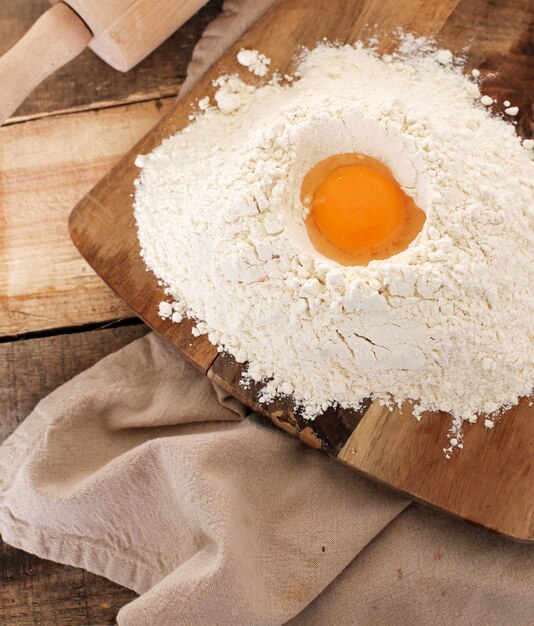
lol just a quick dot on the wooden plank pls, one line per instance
(32, 368)
(45, 167)
(33, 590)
(496, 35)
(393, 447)
(293, 23)
(88, 82)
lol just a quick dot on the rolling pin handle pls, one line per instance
(56, 38)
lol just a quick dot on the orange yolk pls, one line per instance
(357, 207)
(358, 211)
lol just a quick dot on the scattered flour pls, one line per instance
(204, 103)
(447, 323)
(165, 310)
(445, 57)
(254, 61)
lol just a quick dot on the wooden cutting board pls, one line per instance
(491, 481)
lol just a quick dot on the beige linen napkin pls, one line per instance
(140, 471)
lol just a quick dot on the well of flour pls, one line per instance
(447, 323)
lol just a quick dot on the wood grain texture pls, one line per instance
(34, 591)
(45, 167)
(499, 39)
(451, 485)
(88, 82)
(494, 472)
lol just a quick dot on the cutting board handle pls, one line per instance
(56, 38)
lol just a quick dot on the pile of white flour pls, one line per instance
(448, 323)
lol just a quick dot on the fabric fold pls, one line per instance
(138, 473)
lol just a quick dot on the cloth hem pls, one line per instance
(96, 557)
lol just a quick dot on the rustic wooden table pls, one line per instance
(56, 316)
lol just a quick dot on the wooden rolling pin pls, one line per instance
(121, 32)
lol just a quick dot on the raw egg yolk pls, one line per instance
(357, 210)
(357, 207)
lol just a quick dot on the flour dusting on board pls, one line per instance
(447, 324)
